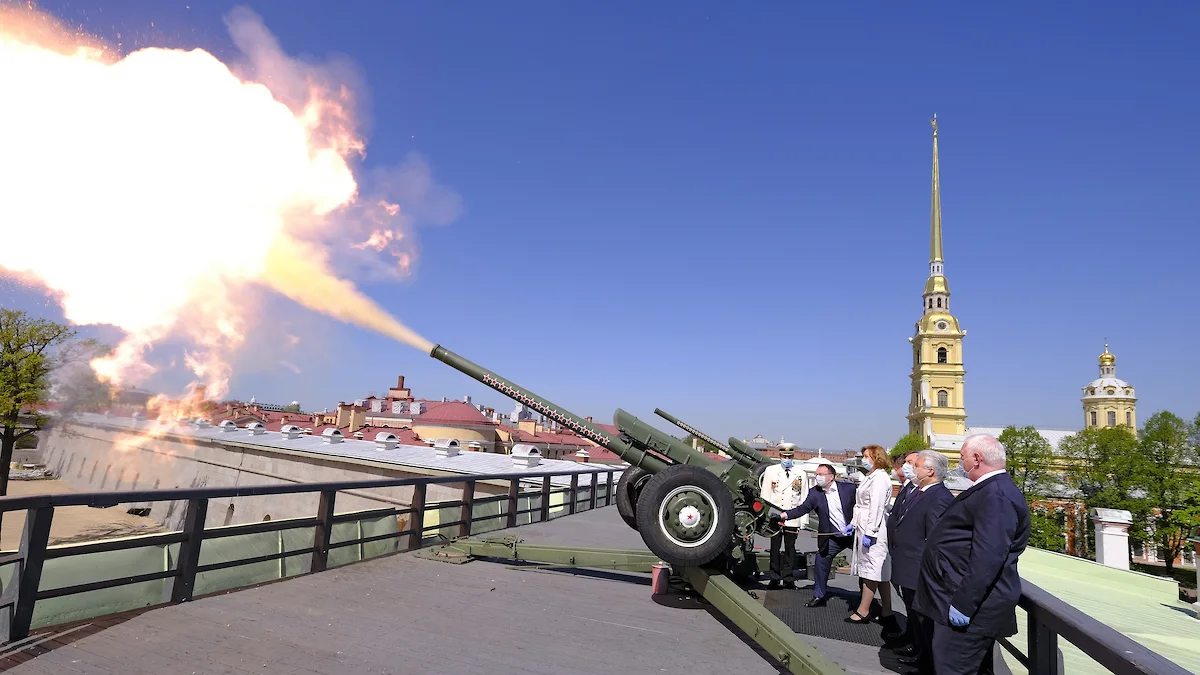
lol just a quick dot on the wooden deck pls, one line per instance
(402, 614)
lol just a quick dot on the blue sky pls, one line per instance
(724, 212)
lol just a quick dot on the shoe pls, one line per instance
(864, 619)
(910, 660)
(789, 584)
(774, 583)
(817, 602)
(906, 650)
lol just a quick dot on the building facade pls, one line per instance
(937, 407)
(1108, 401)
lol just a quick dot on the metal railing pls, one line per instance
(24, 591)
(1050, 618)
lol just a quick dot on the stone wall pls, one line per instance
(103, 459)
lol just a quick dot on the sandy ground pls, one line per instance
(71, 523)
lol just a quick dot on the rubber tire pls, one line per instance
(628, 488)
(649, 505)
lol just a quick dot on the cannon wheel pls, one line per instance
(632, 481)
(685, 516)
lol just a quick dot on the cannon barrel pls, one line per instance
(738, 455)
(623, 449)
(747, 450)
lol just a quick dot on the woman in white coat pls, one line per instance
(870, 561)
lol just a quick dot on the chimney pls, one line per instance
(386, 440)
(332, 435)
(526, 456)
(226, 425)
(582, 456)
(446, 447)
(1112, 537)
(256, 428)
(291, 431)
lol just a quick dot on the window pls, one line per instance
(941, 354)
(1112, 418)
(939, 302)
(1093, 418)
(1129, 418)
(943, 398)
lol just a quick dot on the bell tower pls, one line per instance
(937, 408)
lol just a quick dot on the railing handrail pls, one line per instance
(125, 496)
(1107, 646)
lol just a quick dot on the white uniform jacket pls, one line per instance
(783, 489)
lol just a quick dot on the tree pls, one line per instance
(1029, 455)
(909, 443)
(1104, 466)
(1045, 532)
(291, 408)
(1166, 450)
(31, 350)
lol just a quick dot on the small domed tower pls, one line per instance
(1108, 401)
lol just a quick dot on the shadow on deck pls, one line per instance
(403, 614)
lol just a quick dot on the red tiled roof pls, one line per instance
(453, 413)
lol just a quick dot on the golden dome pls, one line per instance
(937, 284)
(1107, 358)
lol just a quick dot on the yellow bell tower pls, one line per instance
(937, 410)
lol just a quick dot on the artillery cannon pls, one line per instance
(690, 509)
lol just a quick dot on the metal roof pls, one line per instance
(412, 456)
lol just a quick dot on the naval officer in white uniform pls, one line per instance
(783, 486)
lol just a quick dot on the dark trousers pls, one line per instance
(825, 561)
(918, 631)
(957, 652)
(783, 562)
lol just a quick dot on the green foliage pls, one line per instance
(292, 408)
(1154, 476)
(1171, 490)
(700, 444)
(909, 443)
(31, 350)
(1029, 456)
(1045, 530)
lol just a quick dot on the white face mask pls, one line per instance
(909, 472)
(822, 481)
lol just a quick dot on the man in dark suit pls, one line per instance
(833, 500)
(969, 585)
(903, 472)
(910, 522)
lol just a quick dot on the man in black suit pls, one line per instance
(969, 585)
(903, 472)
(910, 522)
(833, 500)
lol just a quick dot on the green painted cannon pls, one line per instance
(690, 509)
(746, 455)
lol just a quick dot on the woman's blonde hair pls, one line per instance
(878, 456)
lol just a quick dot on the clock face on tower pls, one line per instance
(941, 325)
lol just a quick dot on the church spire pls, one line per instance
(935, 215)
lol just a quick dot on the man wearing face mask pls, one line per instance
(781, 485)
(833, 500)
(904, 472)
(968, 584)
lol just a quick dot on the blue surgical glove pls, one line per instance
(867, 541)
(847, 530)
(957, 618)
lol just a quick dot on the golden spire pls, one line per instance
(935, 217)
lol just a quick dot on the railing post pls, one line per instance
(189, 550)
(416, 527)
(608, 490)
(545, 499)
(592, 492)
(514, 492)
(33, 555)
(1043, 648)
(322, 532)
(574, 493)
(468, 500)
